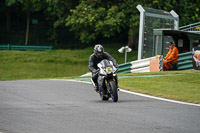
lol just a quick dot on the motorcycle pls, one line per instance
(107, 80)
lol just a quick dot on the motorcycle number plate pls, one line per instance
(109, 69)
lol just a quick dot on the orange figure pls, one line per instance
(171, 57)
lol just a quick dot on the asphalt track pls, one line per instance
(59, 106)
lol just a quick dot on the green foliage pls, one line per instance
(28, 5)
(57, 11)
(94, 19)
(89, 20)
(10, 2)
(188, 10)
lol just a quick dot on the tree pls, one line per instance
(188, 10)
(93, 18)
(56, 12)
(29, 6)
(5, 8)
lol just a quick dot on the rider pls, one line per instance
(96, 58)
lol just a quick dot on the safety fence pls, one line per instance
(185, 61)
(155, 64)
(195, 28)
(22, 47)
(151, 64)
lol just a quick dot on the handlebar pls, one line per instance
(96, 72)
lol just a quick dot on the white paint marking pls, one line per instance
(72, 80)
(138, 94)
(80, 81)
(158, 98)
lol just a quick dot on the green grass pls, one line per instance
(17, 65)
(177, 85)
(39, 64)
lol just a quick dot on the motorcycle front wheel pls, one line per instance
(114, 93)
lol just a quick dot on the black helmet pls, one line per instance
(98, 50)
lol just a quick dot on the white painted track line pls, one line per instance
(139, 94)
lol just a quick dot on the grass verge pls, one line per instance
(177, 85)
(17, 65)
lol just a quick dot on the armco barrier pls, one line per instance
(124, 68)
(22, 47)
(143, 65)
(185, 61)
(154, 64)
(140, 65)
(137, 66)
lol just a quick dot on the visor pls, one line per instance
(99, 53)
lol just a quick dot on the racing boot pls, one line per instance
(96, 88)
(102, 91)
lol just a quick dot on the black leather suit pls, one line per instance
(94, 60)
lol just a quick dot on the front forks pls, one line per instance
(103, 83)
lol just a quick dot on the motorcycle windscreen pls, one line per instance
(105, 63)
